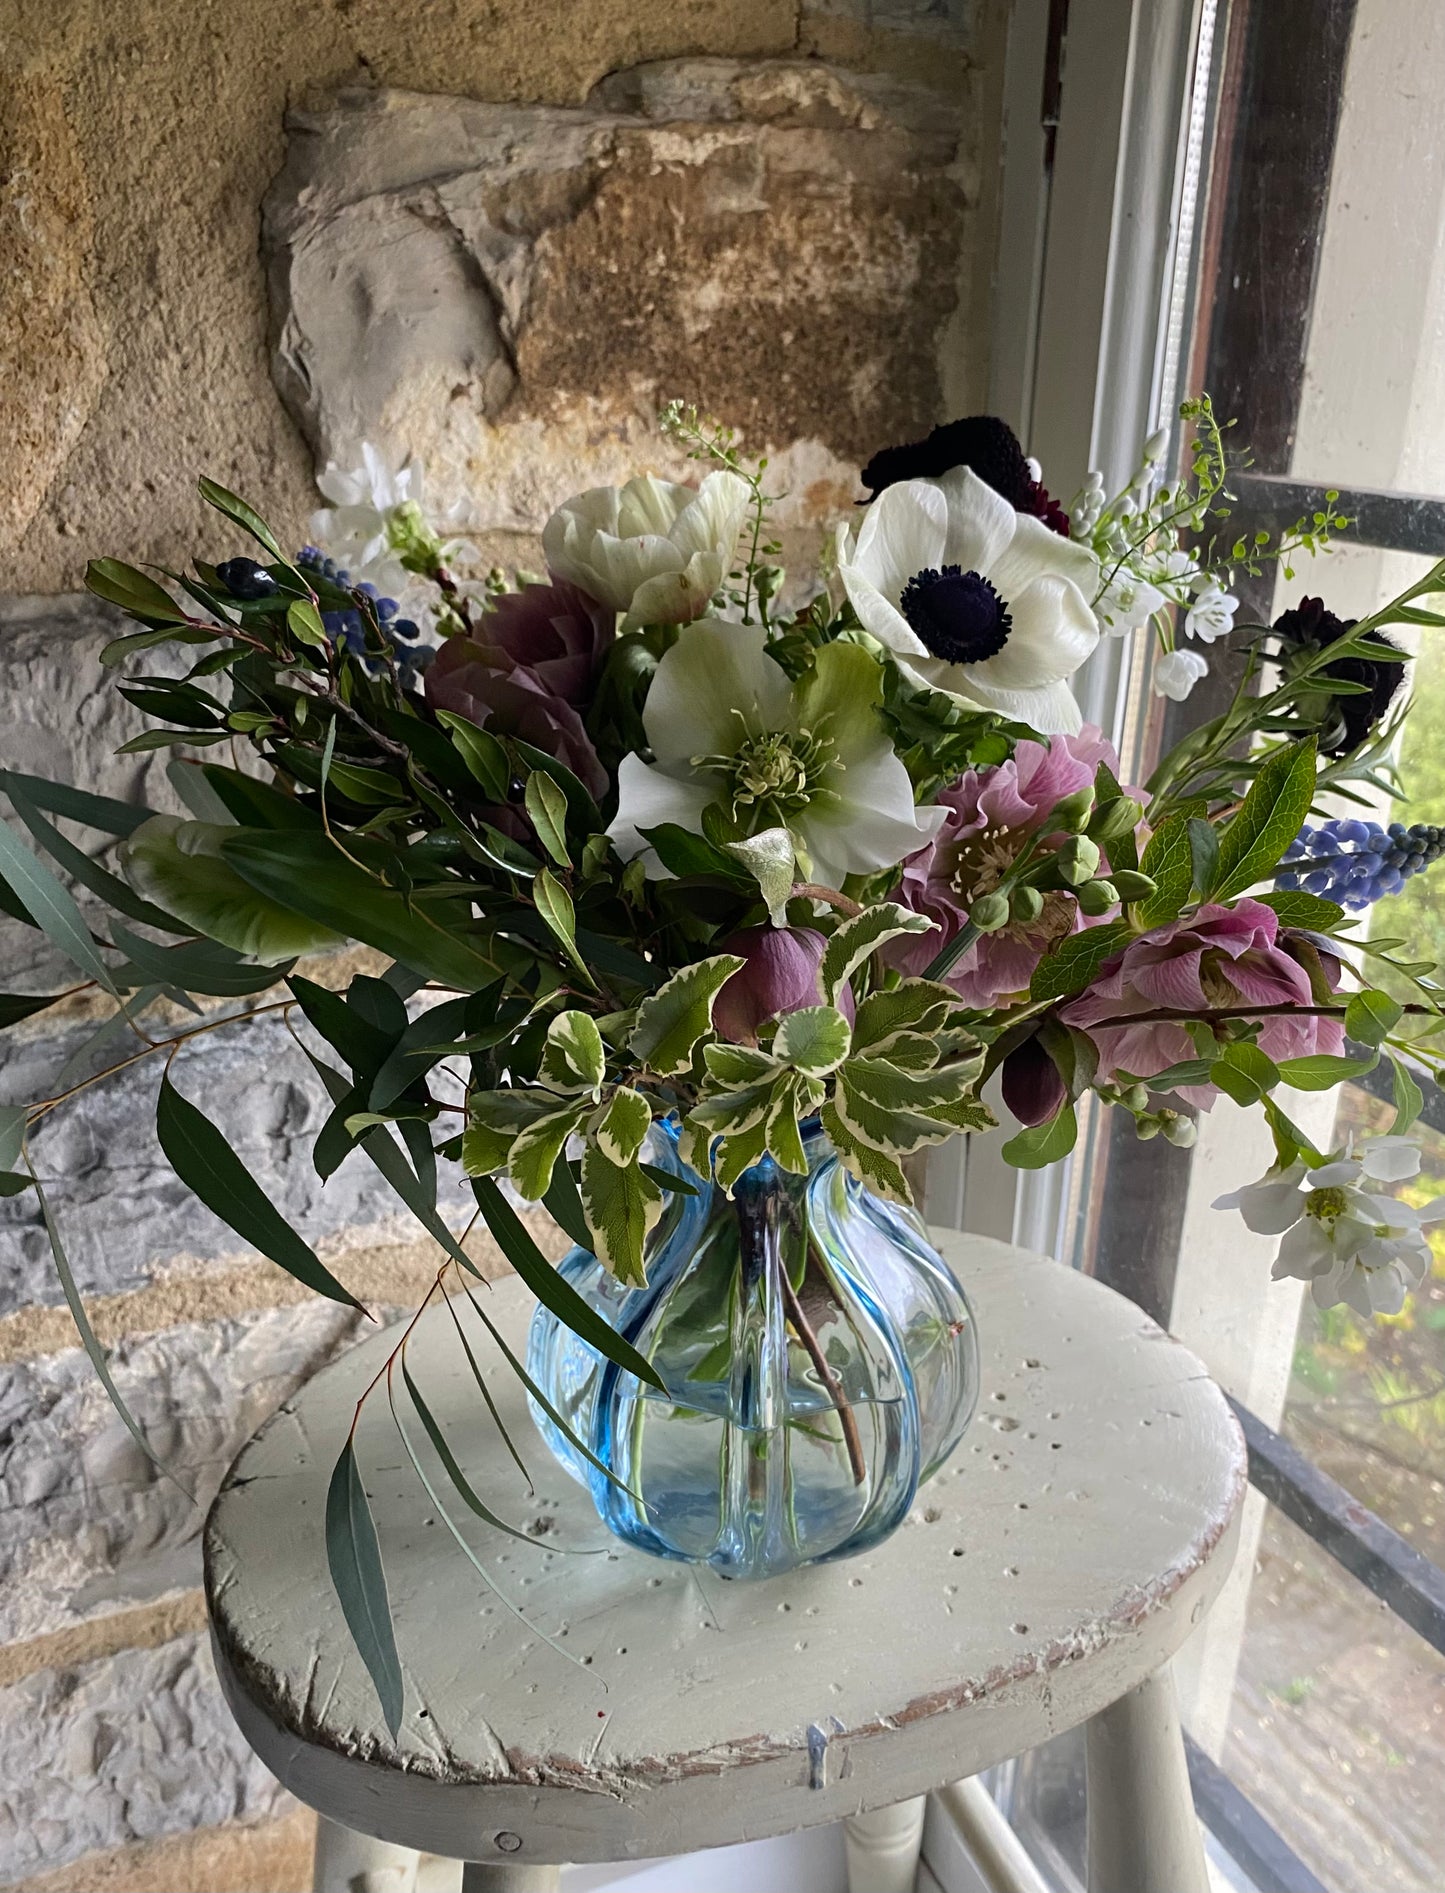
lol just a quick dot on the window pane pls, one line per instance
(1337, 1732)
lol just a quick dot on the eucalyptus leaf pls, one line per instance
(354, 1557)
(208, 1165)
(53, 908)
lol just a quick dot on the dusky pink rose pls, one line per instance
(528, 670)
(992, 812)
(1219, 957)
(781, 976)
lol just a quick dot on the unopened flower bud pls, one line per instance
(1180, 1131)
(1097, 897)
(780, 976)
(1032, 1087)
(1135, 1098)
(1155, 445)
(1134, 886)
(1147, 1126)
(1026, 904)
(1077, 860)
(1111, 820)
(990, 912)
(1071, 814)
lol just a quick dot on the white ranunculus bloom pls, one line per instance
(652, 549)
(727, 726)
(1177, 672)
(974, 597)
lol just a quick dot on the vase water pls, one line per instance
(820, 1361)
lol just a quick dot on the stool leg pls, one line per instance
(492, 1877)
(883, 1847)
(347, 1862)
(1143, 1833)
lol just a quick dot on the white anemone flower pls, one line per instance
(1176, 673)
(652, 549)
(728, 728)
(974, 597)
(1349, 1243)
(368, 505)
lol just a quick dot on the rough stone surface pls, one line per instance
(511, 292)
(176, 113)
(87, 1524)
(131, 1749)
(122, 1209)
(267, 1857)
(52, 352)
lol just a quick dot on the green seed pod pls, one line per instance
(1097, 897)
(1134, 886)
(1078, 860)
(990, 912)
(1026, 904)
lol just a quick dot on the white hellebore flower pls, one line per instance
(728, 727)
(1211, 615)
(371, 507)
(974, 597)
(652, 549)
(1177, 672)
(1347, 1242)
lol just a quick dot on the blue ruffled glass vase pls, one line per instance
(820, 1362)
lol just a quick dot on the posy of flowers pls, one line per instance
(656, 835)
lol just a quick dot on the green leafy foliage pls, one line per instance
(1279, 798)
(353, 1555)
(673, 1020)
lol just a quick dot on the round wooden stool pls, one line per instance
(1044, 1578)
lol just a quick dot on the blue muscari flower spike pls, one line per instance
(348, 627)
(1355, 862)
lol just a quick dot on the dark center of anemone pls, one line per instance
(957, 614)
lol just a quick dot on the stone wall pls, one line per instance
(780, 210)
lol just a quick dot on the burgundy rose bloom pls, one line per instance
(527, 670)
(781, 976)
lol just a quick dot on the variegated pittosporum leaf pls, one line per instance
(674, 1019)
(861, 936)
(621, 1203)
(573, 1058)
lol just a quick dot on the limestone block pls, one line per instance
(122, 1210)
(130, 1749)
(87, 1524)
(510, 292)
(52, 350)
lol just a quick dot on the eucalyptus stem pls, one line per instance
(847, 1419)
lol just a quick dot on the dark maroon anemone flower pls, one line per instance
(982, 442)
(1346, 720)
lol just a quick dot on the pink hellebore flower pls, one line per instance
(992, 813)
(1219, 957)
(781, 976)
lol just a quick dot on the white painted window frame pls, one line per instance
(1087, 317)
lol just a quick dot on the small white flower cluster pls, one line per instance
(1135, 536)
(1349, 1243)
